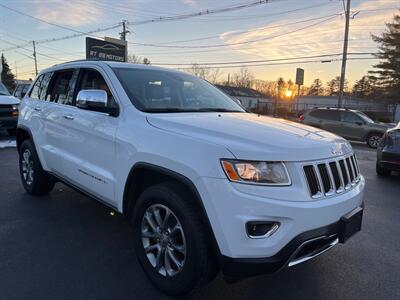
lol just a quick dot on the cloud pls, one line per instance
(70, 13)
(324, 38)
(189, 2)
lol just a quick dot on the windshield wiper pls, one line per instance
(167, 110)
(180, 110)
(211, 109)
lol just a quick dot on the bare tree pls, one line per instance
(199, 71)
(214, 75)
(132, 58)
(244, 78)
(210, 74)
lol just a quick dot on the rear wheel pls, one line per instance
(373, 140)
(171, 242)
(34, 179)
(382, 171)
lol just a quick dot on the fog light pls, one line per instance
(261, 229)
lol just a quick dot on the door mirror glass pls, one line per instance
(95, 100)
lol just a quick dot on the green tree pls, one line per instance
(387, 71)
(316, 88)
(7, 77)
(363, 88)
(333, 86)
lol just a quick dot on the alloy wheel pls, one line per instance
(374, 141)
(163, 240)
(27, 167)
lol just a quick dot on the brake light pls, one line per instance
(15, 113)
(301, 118)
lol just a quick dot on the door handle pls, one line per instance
(69, 117)
(37, 108)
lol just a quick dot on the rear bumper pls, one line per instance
(8, 122)
(295, 252)
(389, 159)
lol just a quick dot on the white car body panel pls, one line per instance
(96, 152)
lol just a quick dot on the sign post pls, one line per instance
(108, 49)
(299, 82)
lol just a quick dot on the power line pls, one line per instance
(201, 13)
(263, 60)
(282, 63)
(237, 43)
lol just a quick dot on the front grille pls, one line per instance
(5, 110)
(335, 176)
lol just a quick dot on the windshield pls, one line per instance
(164, 91)
(3, 90)
(365, 117)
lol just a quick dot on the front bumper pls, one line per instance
(303, 247)
(230, 206)
(8, 122)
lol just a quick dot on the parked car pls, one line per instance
(348, 123)
(388, 154)
(20, 90)
(206, 186)
(8, 110)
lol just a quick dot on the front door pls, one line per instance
(86, 140)
(352, 126)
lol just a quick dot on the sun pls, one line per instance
(288, 93)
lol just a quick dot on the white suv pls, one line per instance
(206, 186)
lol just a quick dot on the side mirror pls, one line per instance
(95, 100)
(359, 123)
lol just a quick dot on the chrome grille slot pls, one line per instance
(354, 164)
(312, 180)
(326, 181)
(350, 168)
(335, 176)
(345, 175)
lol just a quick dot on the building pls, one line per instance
(249, 98)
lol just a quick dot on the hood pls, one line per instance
(252, 137)
(8, 100)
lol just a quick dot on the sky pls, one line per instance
(272, 31)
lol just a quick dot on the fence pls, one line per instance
(377, 111)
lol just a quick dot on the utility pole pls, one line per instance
(124, 30)
(344, 57)
(34, 57)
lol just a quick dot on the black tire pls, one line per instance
(40, 182)
(12, 131)
(200, 264)
(382, 171)
(373, 140)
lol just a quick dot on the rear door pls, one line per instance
(31, 111)
(326, 119)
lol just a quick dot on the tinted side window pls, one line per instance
(350, 117)
(91, 79)
(326, 114)
(62, 87)
(35, 92)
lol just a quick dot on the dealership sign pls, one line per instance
(107, 49)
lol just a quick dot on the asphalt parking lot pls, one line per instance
(66, 246)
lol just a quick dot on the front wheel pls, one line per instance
(373, 140)
(171, 242)
(34, 179)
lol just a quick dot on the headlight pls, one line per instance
(256, 172)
